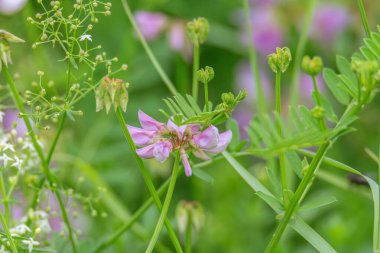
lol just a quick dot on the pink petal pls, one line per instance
(148, 123)
(194, 128)
(186, 164)
(150, 23)
(179, 130)
(146, 152)
(140, 136)
(161, 150)
(208, 139)
(224, 140)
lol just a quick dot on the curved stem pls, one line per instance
(189, 233)
(253, 59)
(147, 49)
(195, 69)
(165, 207)
(5, 197)
(294, 94)
(206, 97)
(39, 151)
(364, 18)
(148, 180)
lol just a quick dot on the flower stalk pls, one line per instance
(166, 205)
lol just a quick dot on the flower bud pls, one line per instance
(197, 30)
(206, 75)
(318, 112)
(312, 66)
(279, 61)
(189, 212)
(5, 49)
(111, 92)
(367, 72)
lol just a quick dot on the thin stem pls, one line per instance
(195, 69)
(165, 207)
(294, 94)
(206, 97)
(39, 151)
(364, 18)
(279, 129)
(253, 59)
(5, 197)
(189, 232)
(293, 205)
(147, 49)
(322, 123)
(148, 180)
(8, 233)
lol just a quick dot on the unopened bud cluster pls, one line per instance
(197, 30)
(189, 213)
(5, 49)
(110, 92)
(280, 60)
(368, 73)
(206, 75)
(312, 66)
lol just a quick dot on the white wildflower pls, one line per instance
(5, 158)
(18, 164)
(31, 243)
(20, 230)
(85, 37)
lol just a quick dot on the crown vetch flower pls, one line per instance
(157, 140)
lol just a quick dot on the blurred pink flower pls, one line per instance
(9, 7)
(329, 21)
(11, 119)
(243, 114)
(177, 36)
(159, 140)
(267, 32)
(306, 86)
(151, 24)
(245, 80)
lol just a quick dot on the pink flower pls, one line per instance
(11, 119)
(151, 24)
(10, 7)
(158, 140)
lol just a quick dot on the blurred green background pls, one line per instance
(236, 219)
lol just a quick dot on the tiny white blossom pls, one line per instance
(85, 37)
(28, 145)
(20, 230)
(1, 119)
(8, 146)
(30, 244)
(18, 164)
(5, 158)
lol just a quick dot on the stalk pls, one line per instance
(189, 233)
(39, 151)
(364, 18)
(165, 207)
(206, 96)
(322, 123)
(148, 180)
(195, 69)
(5, 198)
(253, 59)
(147, 49)
(279, 129)
(8, 233)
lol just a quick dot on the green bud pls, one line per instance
(367, 72)
(279, 61)
(111, 92)
(312, 66)
(206, 75)
(189, 213)
(228, 98)
(318, 112)
(197, 30)
(9, 37)
(5, 49)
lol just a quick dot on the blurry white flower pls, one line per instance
(20, 230)
(30, 244)
(1, 114)
(10, 7)
(5, 159)
(8, 146)
(85, 37)
(18, 164)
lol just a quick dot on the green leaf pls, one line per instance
(318, 202)
(293, 162)
(335, 85)
(311, 236)
(201, 174)
(344, 67)
(271, 201)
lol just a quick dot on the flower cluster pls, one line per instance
(158, 140)
(111, 91)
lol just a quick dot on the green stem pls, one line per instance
(364, 18)
(165, 207)
(279, 129)
(253, 59)
(39, 151)
(322, 123)
(8, 233)
(206, 97)
(189, 233)
(5, 197)
(148, 180)
(195, 69)
(294, 95)
(147, 49)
